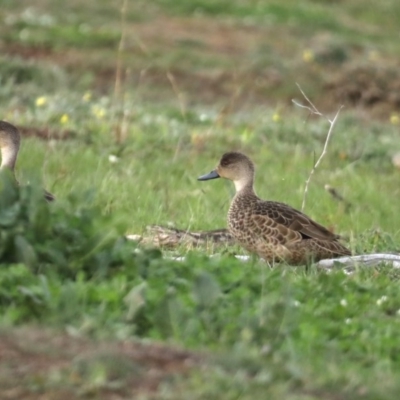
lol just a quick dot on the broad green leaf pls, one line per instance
(8, 189)
(206, 289)
(135, 300)
(24, 251)
(169, 316)
(9, 215)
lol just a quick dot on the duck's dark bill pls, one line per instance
(211, 175)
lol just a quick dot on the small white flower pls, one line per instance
(380, 301)
(296, 303)
(203, 117)
(113, 159)
(266, 349)
(347, 321)
(343, 303)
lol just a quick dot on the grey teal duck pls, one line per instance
(273, 230)
(10, 140)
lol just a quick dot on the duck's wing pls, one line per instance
(326, 248)
(288, 222)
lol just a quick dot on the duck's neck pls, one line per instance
(8, 157)
(244, 185)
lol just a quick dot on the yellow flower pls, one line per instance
(99, 112)
(394, 119)
(276, 117)
(308, 56)
(64, 119)
(41, 101)
(87, 96)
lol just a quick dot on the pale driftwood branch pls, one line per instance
(175, 237)
(332, 123)
(347, 264)
(365, 260)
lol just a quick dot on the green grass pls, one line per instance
(292, 333)
(283, 152)
(321, 333)
(213, 51)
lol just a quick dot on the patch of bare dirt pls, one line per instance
(69, 58)
(216, 36)
(46, 133)
(34, 52)
(214, 62)
(38, 364)
(373, 87)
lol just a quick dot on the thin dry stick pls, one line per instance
(178, 93)
(332, 123)
(118, 98)
(182, 107)
(121, 46)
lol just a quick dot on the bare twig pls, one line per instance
(182, 107)
(118, 95)
(121, 47)
(332, 122)
(178, 93)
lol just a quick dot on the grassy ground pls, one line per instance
(197, 78)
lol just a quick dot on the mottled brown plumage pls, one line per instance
(273, 230)
(10, 140)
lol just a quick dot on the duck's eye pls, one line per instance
(226, 162)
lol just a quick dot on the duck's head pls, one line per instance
(234, 166)
(9, 144)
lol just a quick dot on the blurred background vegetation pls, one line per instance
(121, 106)
(184, 81)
